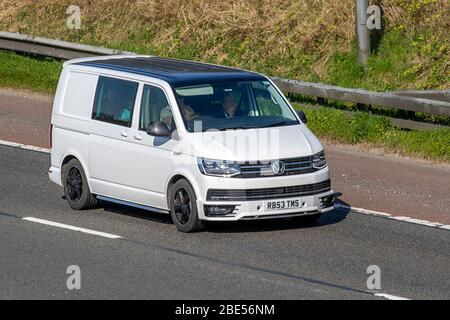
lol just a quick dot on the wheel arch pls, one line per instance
(171, 182)
(178, 176)
(73, 155)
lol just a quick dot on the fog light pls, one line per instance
(327, 201)
(218, 210)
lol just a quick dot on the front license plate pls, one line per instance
(282, 204)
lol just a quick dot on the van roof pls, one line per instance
(174, 71)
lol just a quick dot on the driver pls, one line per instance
(188, 112)
(186, 109)
(229, 106)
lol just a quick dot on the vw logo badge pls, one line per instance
(278, 167)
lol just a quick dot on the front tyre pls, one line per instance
(183, 207)
(76, 188)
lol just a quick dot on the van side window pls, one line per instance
(155, 107)
(114, 101)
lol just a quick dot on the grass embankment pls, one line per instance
(303, 39)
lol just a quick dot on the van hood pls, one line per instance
(253, 144)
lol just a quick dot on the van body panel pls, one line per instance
(123, 162)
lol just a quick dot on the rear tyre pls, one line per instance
(183, 207)
(76, 188)
(307, 220)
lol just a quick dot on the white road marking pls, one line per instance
(69, 227)
(390, 216)
(23, 146)
(389, 296)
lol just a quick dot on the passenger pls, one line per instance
(126, 111)
(166, 116)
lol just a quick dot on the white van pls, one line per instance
(201, 142)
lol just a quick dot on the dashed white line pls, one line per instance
(73, 228)
(390, 216)
(389, 296)
(23, 146)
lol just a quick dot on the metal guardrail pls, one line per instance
(51, 48)
(415, 101)
(440, 95)
(382, 99)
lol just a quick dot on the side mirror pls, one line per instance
(158, 129)
(302, 116)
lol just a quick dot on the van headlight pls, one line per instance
(319, 161)
(220, 168)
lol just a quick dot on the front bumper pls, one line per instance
(252, 210)
(255, 209)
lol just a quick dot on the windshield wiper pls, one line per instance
(276, 124)
(240, 127)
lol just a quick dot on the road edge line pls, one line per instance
(427, 223)
(23, 146)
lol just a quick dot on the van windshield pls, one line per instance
(233, 105)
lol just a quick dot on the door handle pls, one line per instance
(124, 134)
(138, 137)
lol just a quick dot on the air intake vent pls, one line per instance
(268, 193)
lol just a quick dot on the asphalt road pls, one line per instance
(252, 260)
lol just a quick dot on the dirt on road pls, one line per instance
(364, 178)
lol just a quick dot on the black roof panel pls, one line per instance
(174, 71)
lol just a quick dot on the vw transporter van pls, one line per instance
(201, 142)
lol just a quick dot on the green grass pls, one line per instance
(335, 125)
(398, 62)
(23, 72)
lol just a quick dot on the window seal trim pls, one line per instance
(141, 109)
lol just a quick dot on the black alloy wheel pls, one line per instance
(182, 206)
(74, 184)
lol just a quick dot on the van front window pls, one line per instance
(233, 105)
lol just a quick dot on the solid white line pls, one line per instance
(65, 226)
(389, 296)
(23, 146)
(390, 216)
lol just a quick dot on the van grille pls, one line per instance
(268, 193)
(264, 169)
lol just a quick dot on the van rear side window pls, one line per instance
(114, 101)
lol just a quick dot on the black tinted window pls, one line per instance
(114, 101)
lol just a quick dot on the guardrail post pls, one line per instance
(362, 32)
